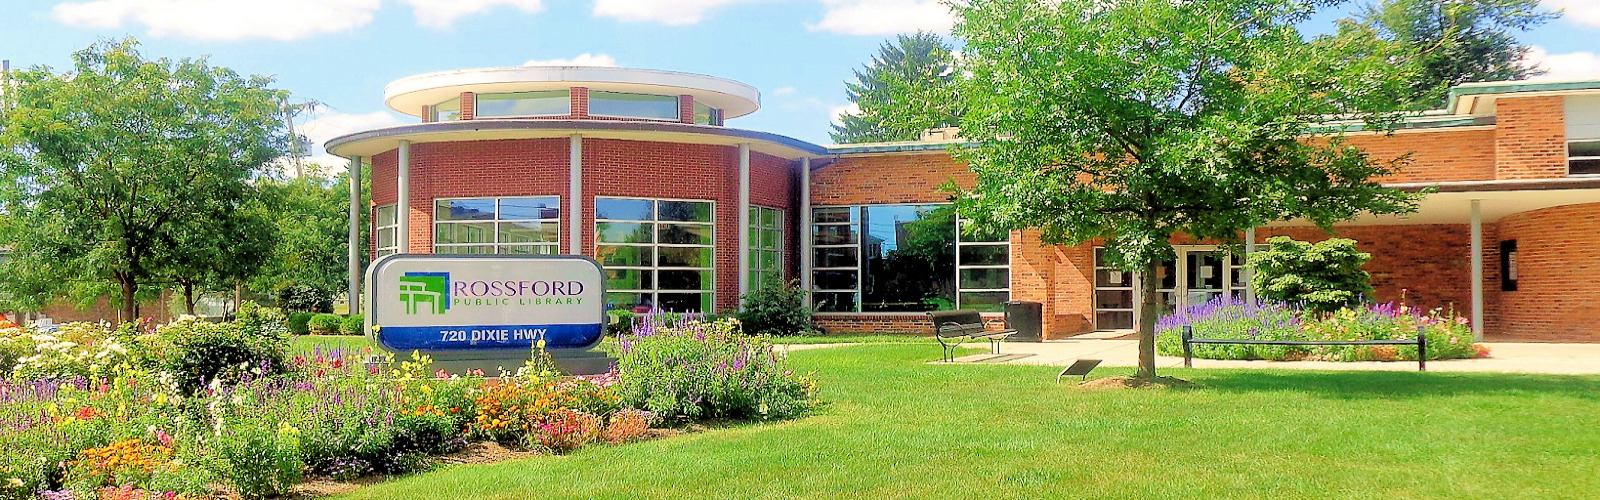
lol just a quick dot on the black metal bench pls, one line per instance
(952, 328)
(1421, 342)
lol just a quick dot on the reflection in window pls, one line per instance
(707, 115)
(624, 105)
(1583, 158)
(657, 253)
(517, 104)
(508, 226)
(387, 227)
(447, 111)
(904, 258)
(766, 247)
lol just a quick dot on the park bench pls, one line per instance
(952, 328)
(1421, 342)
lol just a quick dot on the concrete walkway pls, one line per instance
(1503, 357)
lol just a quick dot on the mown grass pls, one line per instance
(896, 427)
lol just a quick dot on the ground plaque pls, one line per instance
(488, 312)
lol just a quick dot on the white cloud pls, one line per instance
(1570, 66)
(442, 14)
(884, 17)
(321, 126)
(837, 112)
(221, 19)
(257, 19)
(783, 91)
(584, 59)
(669, 12)
(1577, 11)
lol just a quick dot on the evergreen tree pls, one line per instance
(906, 89)
(1458, 41)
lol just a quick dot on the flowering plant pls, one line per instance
(1449, 335)
(688, 368)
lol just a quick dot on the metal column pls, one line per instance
(575, 197)
(1249, 273)
(744, 222)
(402, 210)
(1477, 269)
(804, 231)
(355, 235)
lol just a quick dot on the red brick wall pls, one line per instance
(469, 105)
(1558, 282)
(669, 170)
(62, 311)
(1530, 139)
(1436, 155)
(580, 102)
(686, 108)
(524, 167)
(896, 178)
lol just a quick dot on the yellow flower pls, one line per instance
(14, 482)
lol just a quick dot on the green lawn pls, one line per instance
(899, 428)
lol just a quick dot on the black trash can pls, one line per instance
(1027, 318)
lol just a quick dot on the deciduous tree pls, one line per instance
(1132, 122)
(103, 164)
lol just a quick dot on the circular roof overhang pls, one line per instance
(408, 95)
(373, 142)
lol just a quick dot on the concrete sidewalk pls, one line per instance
(1503, 357)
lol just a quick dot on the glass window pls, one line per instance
(905, 258)
(507, 226)
(707, 115)
(624, 105)
(515, 104)
(1583, 158)
(657, 253)
(387, 229)
(766, 247)
(447, 111)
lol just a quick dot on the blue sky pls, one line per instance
(341, 53)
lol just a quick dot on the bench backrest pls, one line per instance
(956, 323)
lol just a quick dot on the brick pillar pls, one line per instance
(469, 105)
(686, 108)
(427, 114)
(580, 102)
(1530, 138)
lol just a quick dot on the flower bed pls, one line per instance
(1449, 336)
(101, 412)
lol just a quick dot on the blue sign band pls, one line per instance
(462, 338)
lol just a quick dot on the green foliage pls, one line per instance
(106, 168)
(312, 224)
(353, 325)
(694, 370)
(258, 462)
(908, 87)
(1131, 122)
(1457, 42)
(300, 323)
(1449, 336)
(325, 324)
(619, 322)
(1323, 276)
(197, 353)
(776, 309)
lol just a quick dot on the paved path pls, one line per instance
(1503, 357)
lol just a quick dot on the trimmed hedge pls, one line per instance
(325, 324)
(299, 323)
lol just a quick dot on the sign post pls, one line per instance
(489, 311)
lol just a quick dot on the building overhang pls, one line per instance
(1451, 202)
(408, 95)
(373, 142)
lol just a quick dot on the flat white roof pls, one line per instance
(408, 95)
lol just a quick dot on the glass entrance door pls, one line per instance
(1203, 277)
(1198, 275)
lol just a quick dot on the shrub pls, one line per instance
(258, 462)
(619, 322)
(300, 323)
(1322, 276)
(324, 324)
(87, 350)
(305, 298)
(697, 370)
(200, 352)
(776, 309)
(355, 324)
(1449, 336)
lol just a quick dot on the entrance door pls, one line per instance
(1198, 275)
(1204, 276)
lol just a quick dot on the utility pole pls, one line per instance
(297, 149)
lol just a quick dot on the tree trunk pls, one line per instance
(130, 306)
(188, 298)
(1149, 312)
